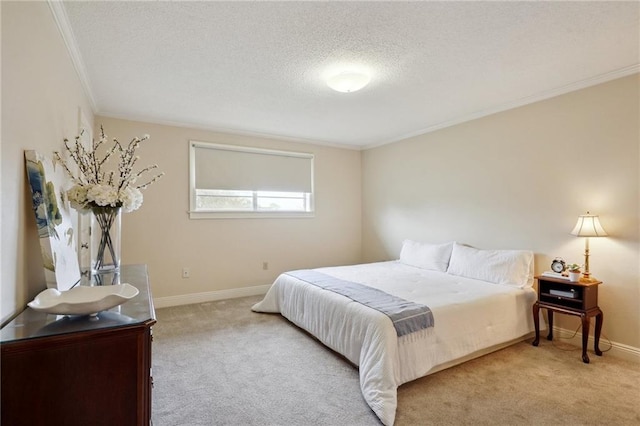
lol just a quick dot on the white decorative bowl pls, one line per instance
(82, 300)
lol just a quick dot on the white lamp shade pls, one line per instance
(348, 81)
(588, 226)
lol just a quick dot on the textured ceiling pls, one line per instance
(260, 67)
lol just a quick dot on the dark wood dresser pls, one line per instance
(80, 370)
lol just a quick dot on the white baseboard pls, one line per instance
(618, 350)
(209, 296)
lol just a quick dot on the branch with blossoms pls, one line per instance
(97, 187)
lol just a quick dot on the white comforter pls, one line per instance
(470, 316)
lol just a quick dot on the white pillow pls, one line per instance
(426, 256)
(510, 267)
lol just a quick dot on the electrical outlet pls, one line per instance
(186, 273)
(265, 266)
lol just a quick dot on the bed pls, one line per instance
(479, 301)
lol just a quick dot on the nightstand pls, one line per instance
(571, 298)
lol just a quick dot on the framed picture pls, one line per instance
(48, 183)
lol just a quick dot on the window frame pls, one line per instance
(195, 213)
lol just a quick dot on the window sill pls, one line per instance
(249, 215)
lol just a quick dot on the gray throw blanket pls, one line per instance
(407, 317)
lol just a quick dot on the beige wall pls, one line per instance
(519, 179)
(41, 100)
(226, 254)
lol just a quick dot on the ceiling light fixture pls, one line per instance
(348, 81)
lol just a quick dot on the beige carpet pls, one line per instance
(221, 364)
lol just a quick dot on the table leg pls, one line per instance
(596, 337)
(536, 323)
(585, 337)
(550, 321)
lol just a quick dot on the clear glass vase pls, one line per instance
(106, 225)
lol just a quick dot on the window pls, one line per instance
(233, 181)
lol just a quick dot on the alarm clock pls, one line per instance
(558, 265)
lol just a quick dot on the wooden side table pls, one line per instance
(571, 298)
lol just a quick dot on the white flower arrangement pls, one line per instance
(94, 187)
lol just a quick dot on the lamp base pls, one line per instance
(588, 279)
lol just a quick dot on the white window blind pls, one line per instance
(229, 178)
(232, 169)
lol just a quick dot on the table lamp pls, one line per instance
(588, 226)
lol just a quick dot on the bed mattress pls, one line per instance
(470, 316)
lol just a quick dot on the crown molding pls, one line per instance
(571, 87)
(228, 131)
(62, 21)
